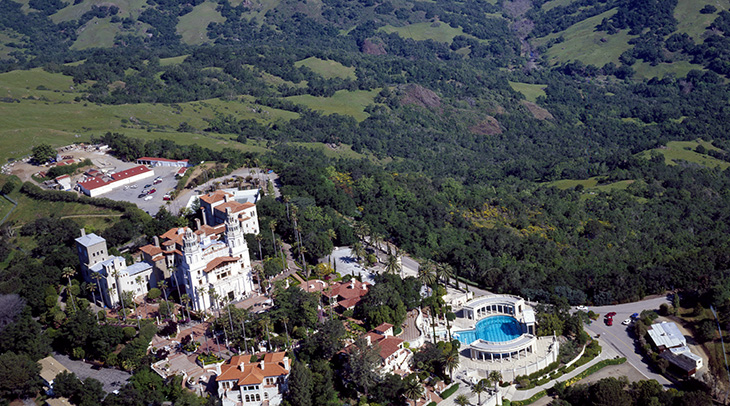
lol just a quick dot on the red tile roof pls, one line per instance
(348, 290)
(216, 196)
(383, 327)
(151, 250)
(218, 262)
(234, 205)
(130, 172)
(245, 372)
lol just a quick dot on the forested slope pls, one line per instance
(457, 156)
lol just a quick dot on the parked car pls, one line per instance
(152, 191)
(134, 186)
(610, 314)
(141, 195)
(166, 197)
(627, 322)
(635, 316)
(609, 321)
(583, 308)
(147, 185)
(157, 181)
(148, 197)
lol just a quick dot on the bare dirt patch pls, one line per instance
(420, 96)
(537, 111)
(373, 48)
(489, 126)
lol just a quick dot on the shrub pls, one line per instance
(534, 398)
(129, 332)
(154, 294)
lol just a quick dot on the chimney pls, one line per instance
(197, 224)
(83, 232)
(261, 364)
(202, 212)
(352, 284)
(156, 239)
(225, 197)
(286, 363)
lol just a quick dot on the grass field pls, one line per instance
(344, 150)
(73, 12)
(327, 69)
(690, 20)
(549, 5)
(5, 207)
(584, 43)
(343, 102)
(172, 61)
(685, 151)
(590, 183)
(423, 31)
(529, 90)
(97, 33)
(193, 26)
(678, 69)
(50, 115)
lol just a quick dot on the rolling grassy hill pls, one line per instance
(343, 102)
(327, 69)
(678, 151)
(192, 26)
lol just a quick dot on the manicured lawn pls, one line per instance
(529, 90)
(343, 102)
(328, 69)
(193, 26)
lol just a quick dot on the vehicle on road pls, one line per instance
(148, 198)
(609, 321)
(627, 322)
(610, 314)
(141, 195)
(147, 185)
(581, 307)
(157, 181)
(152, 191)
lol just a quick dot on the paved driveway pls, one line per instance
(153, 205)
(622, 338)
(112, 379)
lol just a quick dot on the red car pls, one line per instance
(152, 191)
(611, 314)
(609, 321)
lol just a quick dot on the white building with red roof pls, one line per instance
(393, 355)
(347, 294)
(207, 263)
(244, 382)
(98, 185)
(215, 205)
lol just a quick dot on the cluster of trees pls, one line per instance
(618, 391)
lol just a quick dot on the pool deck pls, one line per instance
(542, 346)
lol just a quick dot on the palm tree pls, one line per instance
(272, 226)
(480, 387)
(203, 291)
(451, 362)
(115, 274)
(138, 279)
(462, 400)
(92, 288)
(286, 199)
(495, 377)
(260, 237)
(361, 230)
(185, 299)
(393, 264)
(68, 272)
(426, 274)
(445, 272)
(357, 250)
(412, 388)
(96, 276)
(259, 271)
(163, 287)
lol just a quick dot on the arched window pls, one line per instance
(258, 397)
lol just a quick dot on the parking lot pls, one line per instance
(132, 192)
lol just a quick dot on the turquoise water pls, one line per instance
(494, 329)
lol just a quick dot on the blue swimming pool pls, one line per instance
(494, 329)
